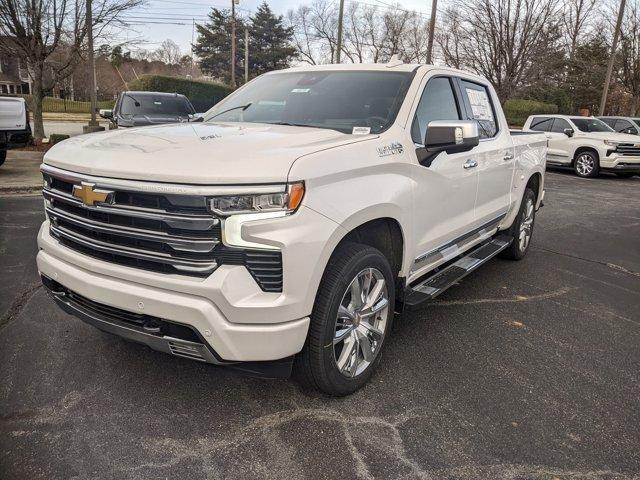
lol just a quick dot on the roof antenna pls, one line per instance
(394, 61)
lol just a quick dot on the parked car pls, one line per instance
(15, 130)
(628, 125)
(288, 228)
(587, 145)
(138, 109)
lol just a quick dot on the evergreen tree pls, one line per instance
(270, 46)
(213, 46)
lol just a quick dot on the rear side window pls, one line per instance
(438, 102)
(559, 125)
(541, 124)
(481, 108)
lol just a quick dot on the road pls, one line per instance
(526, 370)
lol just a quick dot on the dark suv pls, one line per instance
(138, 109)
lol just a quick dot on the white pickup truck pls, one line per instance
(289, 226)
(587, 145)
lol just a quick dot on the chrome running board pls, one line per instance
(434, 285)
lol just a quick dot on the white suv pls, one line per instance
(587, 144)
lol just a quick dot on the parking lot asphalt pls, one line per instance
(525, 370)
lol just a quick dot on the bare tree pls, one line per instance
(629, 56)
(506, 41)
(576, 17)
(168, 52)
(304, 37)
(49, 35)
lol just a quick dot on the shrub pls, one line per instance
(517, 110)
(203, 95)
(57, 137)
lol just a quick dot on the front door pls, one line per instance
(444, 186)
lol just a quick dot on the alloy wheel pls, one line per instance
(361, 322)
(526, 225)
(585, 164)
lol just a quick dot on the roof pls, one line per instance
(144, 92)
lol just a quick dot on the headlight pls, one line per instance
(286, 201)
(611, 143)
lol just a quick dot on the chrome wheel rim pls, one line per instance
(585, 164)
(361, 322)
(526, 225)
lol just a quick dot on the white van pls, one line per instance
(15, 130)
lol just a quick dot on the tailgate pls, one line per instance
(12, 114)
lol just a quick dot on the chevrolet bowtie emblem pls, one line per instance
(90, 195)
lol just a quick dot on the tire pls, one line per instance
(586, 164)
(625, 174)
(526, 216)
(325, 363)
(3, 156)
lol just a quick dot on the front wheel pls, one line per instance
(351, 318)
(587, 165)
(3, 156)
(522, 229)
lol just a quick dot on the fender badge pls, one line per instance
(394, 148)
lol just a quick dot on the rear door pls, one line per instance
(557, 151)
(494, 154)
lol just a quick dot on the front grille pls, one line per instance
(162, 232)
(629, 149)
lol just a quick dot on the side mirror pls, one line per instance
(196, 117)
(568, 132)
(104, 113)
(451, 136)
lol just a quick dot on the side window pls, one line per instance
(623, 126)
(609, 121)
(481, 108)
(541, 124)
(438, 102)
(559, 125)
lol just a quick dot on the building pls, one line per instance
(14, 76)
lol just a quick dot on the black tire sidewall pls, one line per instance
(3, 156)
(332, 295)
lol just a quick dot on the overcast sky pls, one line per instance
(162, 19)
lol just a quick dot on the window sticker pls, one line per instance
(300, 90)
(480, 104)
(361, 130)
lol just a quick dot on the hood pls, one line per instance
(142, 120)
(613, 136)
(196, 153)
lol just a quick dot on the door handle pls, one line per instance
(508, 156)
(471, 163)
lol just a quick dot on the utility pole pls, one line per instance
(432, 28)
(93, 125)
(246, 55)
(340, 17)
(233, 44)
(614, 46)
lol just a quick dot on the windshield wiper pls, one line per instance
(243, 107)
(304, 125)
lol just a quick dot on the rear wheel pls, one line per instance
(3, 156)
(351, 318)
(587, 164)
(522, 229)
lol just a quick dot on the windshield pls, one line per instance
(591, 125)
(145, 104)
(362, 102)
(636, 120)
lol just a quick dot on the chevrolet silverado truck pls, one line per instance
(285, 230)
(587, 145)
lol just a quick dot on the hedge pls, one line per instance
(203, 95)
(59, 105)
(517, 110)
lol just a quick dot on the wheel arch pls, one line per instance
(584, 148)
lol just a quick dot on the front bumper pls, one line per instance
(614, 162)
